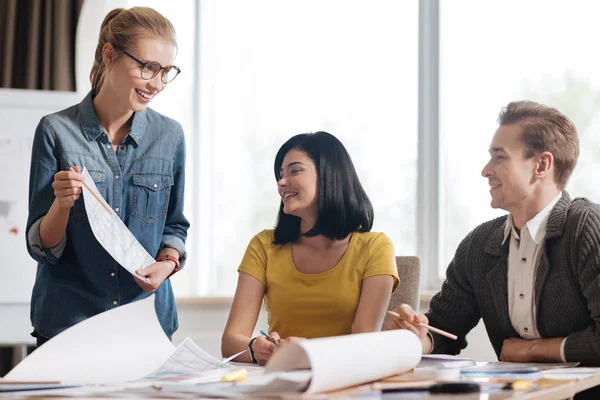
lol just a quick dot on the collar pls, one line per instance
(536, 225)
(91, 128)
(554, 226)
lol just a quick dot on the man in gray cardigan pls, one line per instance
(534, 274)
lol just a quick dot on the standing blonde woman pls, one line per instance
(136, 157)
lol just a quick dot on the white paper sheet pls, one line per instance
(122, 344)
(445, 361)
(502, 367)
(271, 385)
(112, 233)
(343, 361)
(187, 360)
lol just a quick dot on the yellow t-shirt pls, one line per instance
(316, 305)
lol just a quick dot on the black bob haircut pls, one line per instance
(344, 207)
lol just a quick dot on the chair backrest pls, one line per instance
(409, 271)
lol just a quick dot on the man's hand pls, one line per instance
(537, 350)
(516, 350)
(408, 319)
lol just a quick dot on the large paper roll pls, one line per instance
(342, 361)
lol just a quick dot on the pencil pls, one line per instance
(268, 337)
(100, 200)
(431, 328)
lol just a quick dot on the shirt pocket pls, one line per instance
(150, 196)
(98, 178)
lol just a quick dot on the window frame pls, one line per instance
(429, 193)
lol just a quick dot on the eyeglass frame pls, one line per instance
(143, 65)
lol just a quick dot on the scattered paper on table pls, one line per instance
(119, 345)
(187, 360)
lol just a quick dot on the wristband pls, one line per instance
(252, 351)
(167, 257)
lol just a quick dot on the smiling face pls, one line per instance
(298, 185)
(123, 79)
(509, 173)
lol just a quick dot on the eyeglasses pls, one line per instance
(151, 68)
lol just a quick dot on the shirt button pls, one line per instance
(117, 209)
(109, 146)
(122, 147)
(523, 260)
(155, 186)
(115, 303)
(521, 296)
(112, 274)
(525, 329)
(117, 177)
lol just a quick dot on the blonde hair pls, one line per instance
(121, 28)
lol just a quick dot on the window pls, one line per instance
(494, 53)
(256, 73)
(176, 102)
(271, 69)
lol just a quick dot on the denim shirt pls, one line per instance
(144, 184)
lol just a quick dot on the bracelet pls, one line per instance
(167, 257)
(252, 351)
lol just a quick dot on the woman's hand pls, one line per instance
(67, 187)
(264, 348)
(155, 274)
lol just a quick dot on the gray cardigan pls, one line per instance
(567, 286)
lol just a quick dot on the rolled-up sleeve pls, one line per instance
(44, 164)
(176, 225)
(35, 243)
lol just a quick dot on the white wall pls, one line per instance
(204, 324)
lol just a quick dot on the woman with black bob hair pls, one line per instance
(321, 271)
(343, 205)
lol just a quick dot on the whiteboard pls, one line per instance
(20, 112)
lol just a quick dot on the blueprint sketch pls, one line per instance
(112, 233)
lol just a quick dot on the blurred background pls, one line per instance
(412, 88)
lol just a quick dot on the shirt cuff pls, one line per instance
(51, 254)
(562, 350)
(175, 243)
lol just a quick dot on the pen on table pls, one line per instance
(447, 387)
(268, 337)
(431, 328)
